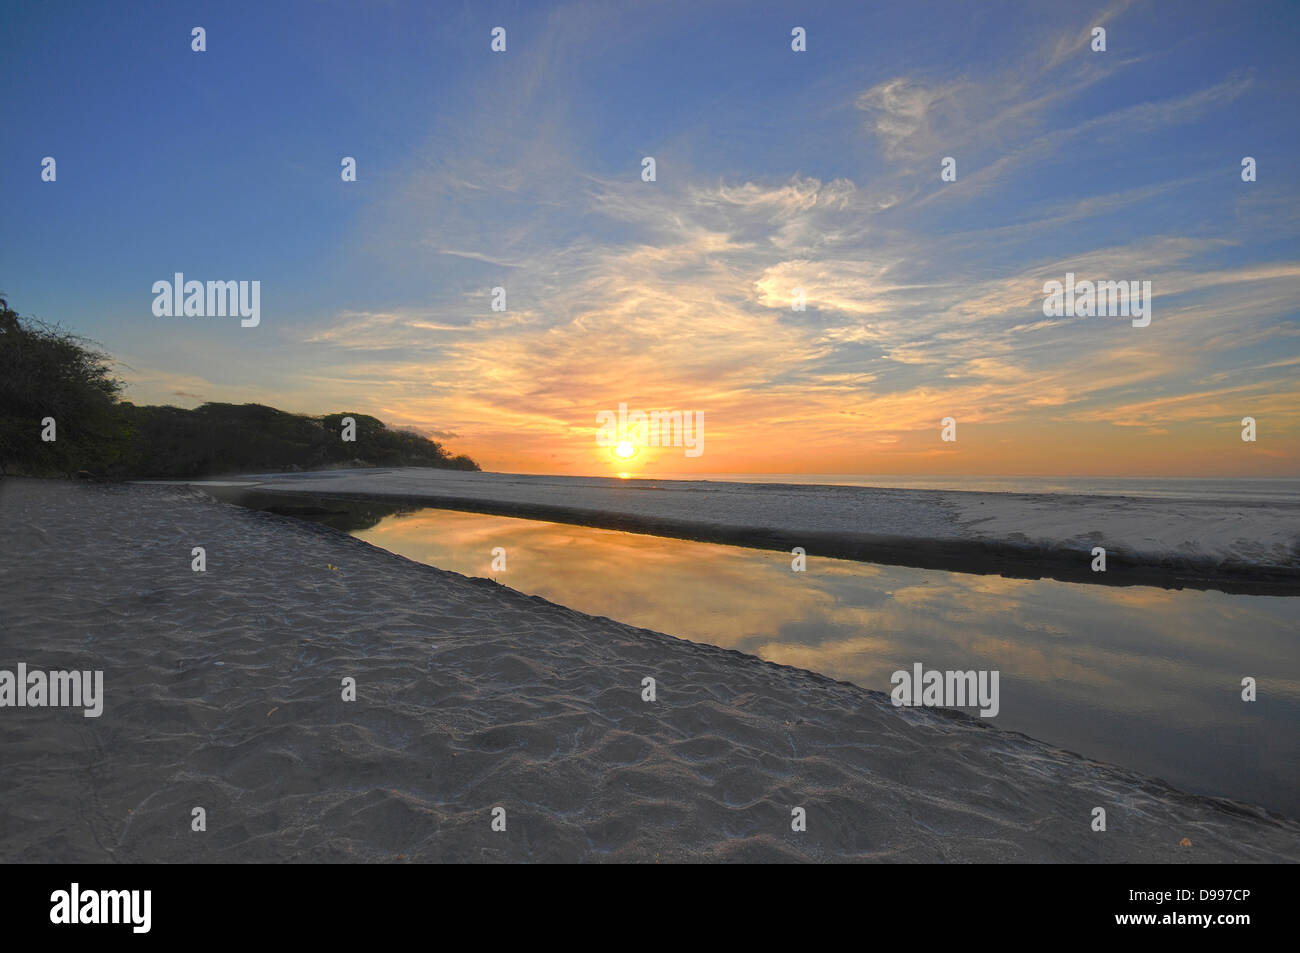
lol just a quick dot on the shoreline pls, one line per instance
(222, 691)
(1014, 535)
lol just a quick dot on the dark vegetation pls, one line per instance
(49, 373)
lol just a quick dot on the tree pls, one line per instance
(46, 371)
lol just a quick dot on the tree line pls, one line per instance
(48, 374)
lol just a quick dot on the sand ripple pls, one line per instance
(223, 691)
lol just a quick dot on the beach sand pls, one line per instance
(1237, 545)
(223, 691)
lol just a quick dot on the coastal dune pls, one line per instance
(222, 690)
(1241, 546)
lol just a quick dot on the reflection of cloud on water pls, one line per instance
(1148, 678)
(830, 656)
(645, 580)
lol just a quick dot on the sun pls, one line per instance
(625, 450)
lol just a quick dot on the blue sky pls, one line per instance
(775, 170)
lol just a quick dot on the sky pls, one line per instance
(775, 170)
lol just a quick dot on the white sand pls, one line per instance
(1249, 534)
(1149, 541)
(786, 507)
(222, 691)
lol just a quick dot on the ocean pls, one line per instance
(1281, 490)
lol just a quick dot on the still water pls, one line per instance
(1147, 679)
